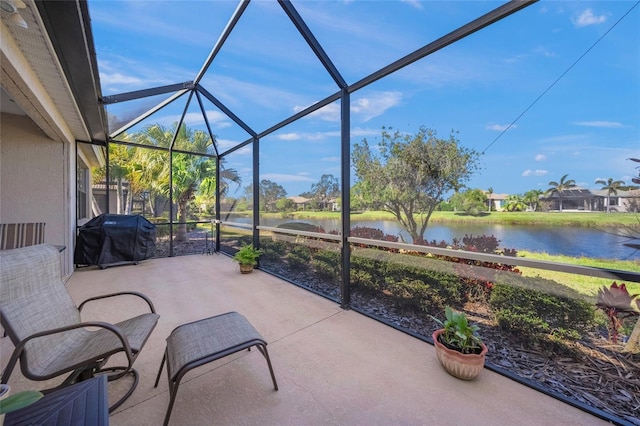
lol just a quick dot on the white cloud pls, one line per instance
(289, 136)
(116, 78)
(413, 3)
(281, 177)
(537, 172)
(365, 108)
(329, 112)
(500, 127)
(375, 105)
(541, 157)
(225, 144)
(540, 50)
(215, 117)
(563, 139)
(330, 159)
(607, 124)
(587, 18)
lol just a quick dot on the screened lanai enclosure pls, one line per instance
(283, 124)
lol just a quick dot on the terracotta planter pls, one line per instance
(246, 269)
(462, 366)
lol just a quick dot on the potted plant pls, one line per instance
(9, 403)
(458, 346)
(247, 258)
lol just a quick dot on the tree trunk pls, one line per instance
(129, 203)
(181, 232)
(118, 196)
(633, 344)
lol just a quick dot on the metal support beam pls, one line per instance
(137, 94)
(462, 32)
(149, 113)
(306, 33)
(184, 112)
(217, 246)
(206, 122)
(345, 212)
(223, 37)
(326, 101)
(256, 192)
(226, 110)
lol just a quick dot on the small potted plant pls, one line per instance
(9, 403)
(458, 346)
(247, 258)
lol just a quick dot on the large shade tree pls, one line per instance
(409, 174)
(270, 193)
(326, 189)
(559, 187)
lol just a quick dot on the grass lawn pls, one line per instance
(581, 283)
(590, 219)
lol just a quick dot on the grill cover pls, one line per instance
(115, 238)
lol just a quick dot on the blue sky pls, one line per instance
(566, 74)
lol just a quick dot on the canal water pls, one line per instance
(570, 241)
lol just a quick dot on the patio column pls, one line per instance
(345, 181)
(256, 192)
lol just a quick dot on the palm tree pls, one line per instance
(191, 173)
(532, 198)
(515, 203)
(559, 187)
(612, 187)
(120, 167)
(490, 193)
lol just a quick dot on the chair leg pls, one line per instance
(263, 351)
(173, 391)
(164, 358)
(136, 379)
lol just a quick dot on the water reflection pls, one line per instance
(570, 241)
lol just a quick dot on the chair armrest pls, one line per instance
(122, 293)
(17, 352)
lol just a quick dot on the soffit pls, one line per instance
(36, 69)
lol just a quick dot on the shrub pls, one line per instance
(534, 313)
(372, 234)
(302, 226)
(327, 264)
(273, 251)
(477, 275)
(299, 257)
(407, 281)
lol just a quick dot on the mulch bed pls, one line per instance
(592, 371)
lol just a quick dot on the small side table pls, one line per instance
(84, 403)
(200, 342)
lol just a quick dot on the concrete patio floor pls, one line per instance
(333, 366)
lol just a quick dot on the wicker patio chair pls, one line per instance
(44, 323)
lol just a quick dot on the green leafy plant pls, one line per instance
(458, 333)
(19, 400)
(247, 255)
(617, 304)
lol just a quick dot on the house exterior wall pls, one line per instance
(34, 181)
